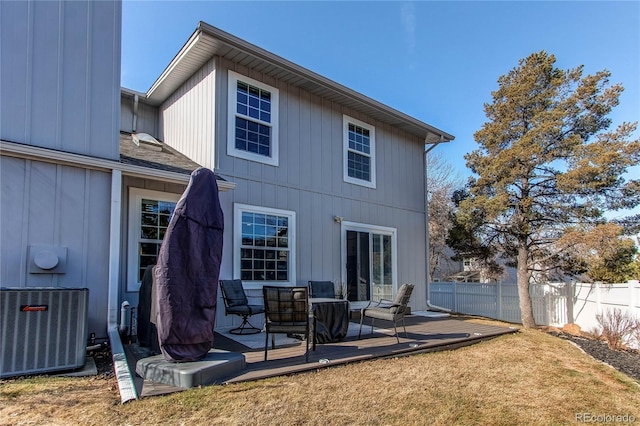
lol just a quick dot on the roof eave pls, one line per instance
(207, 41)
(47, 155)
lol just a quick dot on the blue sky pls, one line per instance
(436, 61)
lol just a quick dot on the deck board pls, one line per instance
(424, 335)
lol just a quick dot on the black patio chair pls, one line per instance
(322, 289)
(391, 312)
(236, 303)
(286, 312)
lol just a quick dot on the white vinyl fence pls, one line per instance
(554, 304)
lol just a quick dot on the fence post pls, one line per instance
(633, 286)
(546, 303)
(455, 296)
(499, 304)
(598, 303)
(570, 298)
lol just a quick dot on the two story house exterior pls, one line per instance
(317, 181)
(329, 184)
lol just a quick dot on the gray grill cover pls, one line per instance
(187, 271)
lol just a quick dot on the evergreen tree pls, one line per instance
(547, 161)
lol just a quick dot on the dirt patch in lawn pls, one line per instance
(625, 361)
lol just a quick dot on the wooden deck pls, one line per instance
(424, 335)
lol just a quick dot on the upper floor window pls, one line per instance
(359, 152)
(253, 120)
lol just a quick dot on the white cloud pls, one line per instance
(408, 17)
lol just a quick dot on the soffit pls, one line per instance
(208, 41)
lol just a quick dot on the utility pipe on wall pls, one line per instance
(134, 125)
(426, 215)
(123, 374)
(124, 313)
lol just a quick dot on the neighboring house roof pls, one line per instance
(208, 41)
(465, 276)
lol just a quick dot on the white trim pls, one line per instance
(124, 377)
(114, 248)
(133, 233)
(346, 120)
(238, 209)
(232, 100)
(371, 229)
(182, 54)
(13, 149)
(126, 385)
(217, 43)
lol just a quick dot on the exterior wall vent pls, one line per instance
(42, 330)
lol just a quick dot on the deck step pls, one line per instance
(214, 367)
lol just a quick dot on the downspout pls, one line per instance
(426, 218)
(134, 125)
(120, 365)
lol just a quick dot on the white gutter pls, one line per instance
(121, 367)
(182, 54)
(208, 41)
(426, 218)
(135, 113)
(13, 149)
(271, 58)
(123, 374)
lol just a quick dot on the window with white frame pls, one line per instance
(359, 152)
(149, 216)
(264, 244)
(253, 120)
(467, 264)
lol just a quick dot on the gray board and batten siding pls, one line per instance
(60, 77)
(60, 90)
(309, 181)
(309, 177)
(311, 150)
(136, 115)
(311, 137)
(188, 116)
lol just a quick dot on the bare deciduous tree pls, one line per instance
(442, 181)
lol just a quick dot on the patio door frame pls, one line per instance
(371, 230)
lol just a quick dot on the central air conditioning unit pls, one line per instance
(42, 330)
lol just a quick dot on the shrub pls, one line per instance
(618, 328)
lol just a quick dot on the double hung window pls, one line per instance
(264, 242)
(359, 152)
(253, 120)
(149, 216)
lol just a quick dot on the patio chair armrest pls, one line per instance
(368, 305)
(385, 302)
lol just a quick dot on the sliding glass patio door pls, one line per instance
(358, 266)
(370, 260)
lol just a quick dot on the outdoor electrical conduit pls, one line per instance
(426, 215)
(120, 365)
